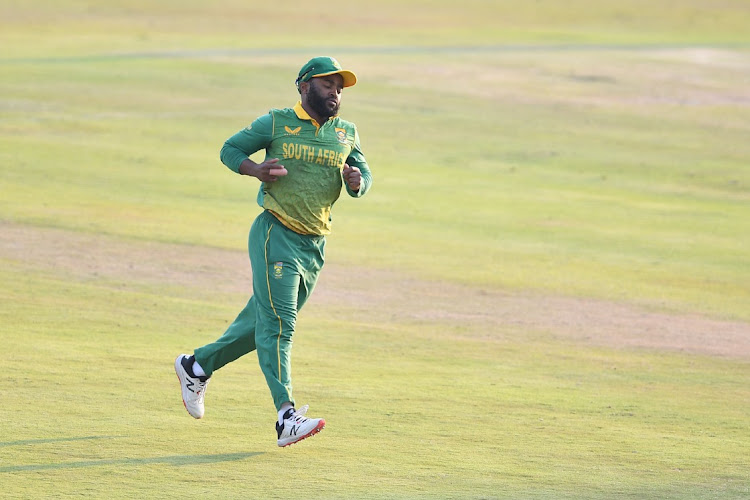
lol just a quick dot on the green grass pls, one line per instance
(41, 28)
(571, 193)
(94, 409)
(585, 149)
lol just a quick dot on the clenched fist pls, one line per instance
(352, 177)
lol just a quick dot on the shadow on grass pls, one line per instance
(176, 460)
(53, 440)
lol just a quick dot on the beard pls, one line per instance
(319, 103)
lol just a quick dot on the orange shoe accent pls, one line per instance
(321, 425)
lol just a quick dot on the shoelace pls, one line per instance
(299, 415)
(201, 389)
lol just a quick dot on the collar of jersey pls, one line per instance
(303, 115)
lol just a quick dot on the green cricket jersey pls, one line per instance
(313, 155)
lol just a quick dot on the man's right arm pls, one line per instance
(247, 141)
(235, 152)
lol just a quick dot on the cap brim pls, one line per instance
(350, 79)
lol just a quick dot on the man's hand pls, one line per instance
(352, 177)
(268, 171)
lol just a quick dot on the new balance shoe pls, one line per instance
(193, 388)
(297, 427)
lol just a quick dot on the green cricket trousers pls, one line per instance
(285, 268)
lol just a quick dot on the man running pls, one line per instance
(311, 153)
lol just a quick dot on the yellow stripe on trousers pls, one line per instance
(270, 299)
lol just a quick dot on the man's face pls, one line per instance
(324, 95)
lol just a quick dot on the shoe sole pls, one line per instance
(177, 367)
(321, 425)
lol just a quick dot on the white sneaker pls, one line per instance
(297, 427)
(193, 388)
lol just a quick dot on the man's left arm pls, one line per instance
(358, 170)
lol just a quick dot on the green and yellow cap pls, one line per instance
(324, 66)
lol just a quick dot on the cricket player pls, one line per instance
(311, 153)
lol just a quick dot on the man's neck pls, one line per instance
(318, 119)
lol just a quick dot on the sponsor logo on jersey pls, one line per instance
(292, 131)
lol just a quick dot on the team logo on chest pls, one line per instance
(341, 135)
(278, 270)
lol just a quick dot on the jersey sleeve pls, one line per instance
(357, 159)
(247, 141)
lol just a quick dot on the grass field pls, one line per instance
(545, 295)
